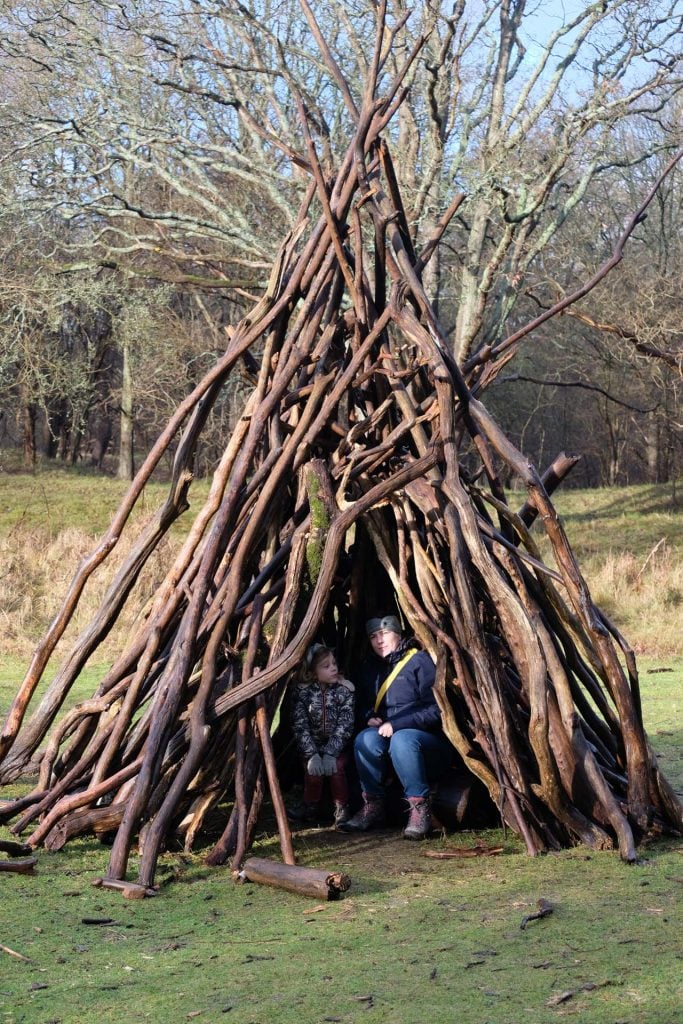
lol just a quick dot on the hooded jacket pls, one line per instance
(323, 717)
(409, 703)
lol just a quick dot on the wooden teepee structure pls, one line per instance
(363, 471)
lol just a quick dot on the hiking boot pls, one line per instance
(342, 814)
(304, 813)
(420, 819)
(371, 815)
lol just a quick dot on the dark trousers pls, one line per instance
(339, 784)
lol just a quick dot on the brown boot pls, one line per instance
(371, 815)
(420, 820)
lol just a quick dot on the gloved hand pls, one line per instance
(314, 765)
(329, 764)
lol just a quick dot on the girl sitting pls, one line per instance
(323, 721)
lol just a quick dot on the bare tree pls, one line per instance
(174, 130)
(55, 344)
(614, 361)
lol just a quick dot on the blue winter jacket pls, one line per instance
(409, 703)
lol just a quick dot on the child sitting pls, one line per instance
(323, 720)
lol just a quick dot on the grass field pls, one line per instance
(416, 939)
(629, 542)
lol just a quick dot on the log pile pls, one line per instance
(364, 474)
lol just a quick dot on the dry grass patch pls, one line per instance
(38, 569)
(628, 541)
(644, 597)
(629, 545)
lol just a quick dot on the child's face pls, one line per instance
(327, 670)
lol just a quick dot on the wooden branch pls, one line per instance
(99, 820)
(129, 890)
(14, 849)
(493, 352)
(22, 866)
(544, 909)
(321, 885)
(553, 476)
(13, 953)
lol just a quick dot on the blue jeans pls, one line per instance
(418, 758)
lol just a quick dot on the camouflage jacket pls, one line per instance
(323, 717)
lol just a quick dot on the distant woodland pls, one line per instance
(152, 161)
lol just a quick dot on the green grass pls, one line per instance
(598, 521)
(637, 518)
(628, 541)
(413, 940)
(629, 545)
(54, 499)
(436, 941)
(12, 671)
(50, 521)
(662, 693)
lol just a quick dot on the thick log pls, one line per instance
(552, 477)
(321, 885)
(21, 866)
(99, 820)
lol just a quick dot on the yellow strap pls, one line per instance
(392, 675)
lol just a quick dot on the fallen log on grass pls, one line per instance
(129, 890)
(320, 884)
(22, 866)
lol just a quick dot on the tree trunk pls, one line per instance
(28, 422)
(126, 468)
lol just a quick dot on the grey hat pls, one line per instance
(313, 650)
(389, 622)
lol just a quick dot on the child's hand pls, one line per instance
(314, 765)
(329, 764)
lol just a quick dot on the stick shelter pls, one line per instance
(365, 473)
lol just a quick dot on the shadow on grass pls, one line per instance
(649, 501)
